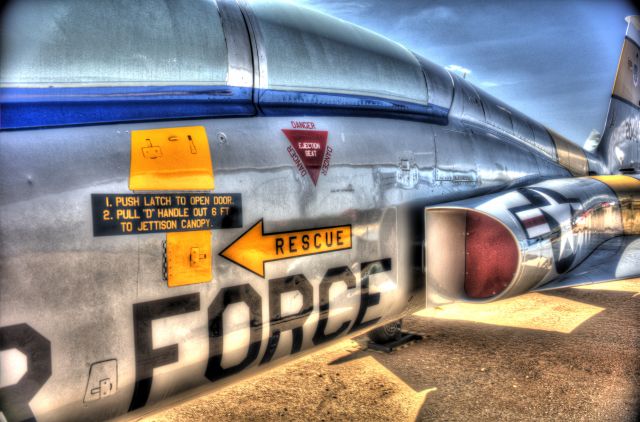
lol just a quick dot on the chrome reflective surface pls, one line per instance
(238, 43)
(570, 156)
(102, 303)
(176, 42)
(294, 39)
(620, 144)
(439, 83)
(466, 101)
(615, 259)
(556, 223)
(48, 249)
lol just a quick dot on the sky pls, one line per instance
(554, 60)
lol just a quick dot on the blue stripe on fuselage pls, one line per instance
(287, 103)
(23, 108)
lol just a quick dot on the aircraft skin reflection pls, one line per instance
(222, 192)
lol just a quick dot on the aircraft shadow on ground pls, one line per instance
(484, 371)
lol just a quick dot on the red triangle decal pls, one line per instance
(310, 145)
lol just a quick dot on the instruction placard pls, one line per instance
(119, 214)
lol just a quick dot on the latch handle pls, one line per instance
(196, 256)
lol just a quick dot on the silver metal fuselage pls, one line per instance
(81, 292)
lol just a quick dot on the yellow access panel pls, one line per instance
(188, 258)
(170, 159)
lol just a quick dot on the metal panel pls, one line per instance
(439, 83)
(627, 189)
(170, 159)
(47, 245)
(483, 110)
(526, 130)
(163, 60)
(444, 254)
(595, 164)
(238, 43)
(308, 51)
(617, 258)
(188, 258)
(501, 163)
(626, 85)
(557, 223)
(498, 114)
(466, 101)
(620, 144)
(551, 169)
(521, 128)
(570, 156)
(456, 167)
(543, 140)
(60, 279)
(116, 42)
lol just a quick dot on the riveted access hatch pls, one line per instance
(170, 159)
(188, 258)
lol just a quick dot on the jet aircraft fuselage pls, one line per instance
(194, 192)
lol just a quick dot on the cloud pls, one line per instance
(342, 9)
(442, 13)
(462, 71)
(424, 17)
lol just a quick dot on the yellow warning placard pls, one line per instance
(188, 258)
(170, 159)
(255, 247)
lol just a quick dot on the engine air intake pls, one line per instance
(491, 257)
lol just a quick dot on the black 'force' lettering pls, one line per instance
(368, 300)
(227, 296)
(292, 323)
(14, 399)
(333, 275)
(147, 357)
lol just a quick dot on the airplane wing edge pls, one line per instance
(616, 259)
